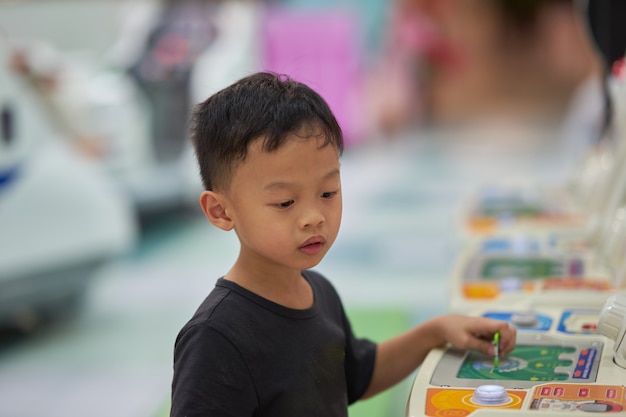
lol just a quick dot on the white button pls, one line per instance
(524, 319)
(490, 395)
(510, 284)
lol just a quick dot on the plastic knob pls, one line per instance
(524, 319)
(490, 395)
(612, 324)
(510, 284)
(612, 317)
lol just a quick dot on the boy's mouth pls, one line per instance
(313, 246)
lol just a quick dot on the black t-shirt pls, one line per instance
(243, 355)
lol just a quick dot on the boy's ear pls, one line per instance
(214, 209)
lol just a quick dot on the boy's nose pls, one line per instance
(312, 218)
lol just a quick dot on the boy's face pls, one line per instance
(286, 205)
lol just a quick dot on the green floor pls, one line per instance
(379, 325)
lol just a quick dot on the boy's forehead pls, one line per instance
(297, 161)
(292, 144)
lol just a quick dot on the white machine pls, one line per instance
(565, 360)
(61, 216)
(99, 105)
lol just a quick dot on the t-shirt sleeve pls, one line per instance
(210, 376)
(359, 363)
(360, 354)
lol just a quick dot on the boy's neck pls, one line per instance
(289, 290)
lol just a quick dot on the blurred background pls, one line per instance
(104, 253)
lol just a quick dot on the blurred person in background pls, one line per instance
(512, 78)
(393, 85)
(524, 58)
(163, 68)
(469, 60)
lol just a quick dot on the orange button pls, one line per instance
(481, 290)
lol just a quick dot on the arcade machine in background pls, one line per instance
(126, 104)
(164, 72)
(61, 215)
(190, 50)
(530, 258)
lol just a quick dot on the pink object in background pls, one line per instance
(320, 47)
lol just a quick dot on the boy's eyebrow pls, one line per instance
(283, 184)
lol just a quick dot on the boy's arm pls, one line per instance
(396, 358)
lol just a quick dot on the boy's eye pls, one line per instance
(286, 204)
(329, 194)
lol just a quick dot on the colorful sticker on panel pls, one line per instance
(579, 397)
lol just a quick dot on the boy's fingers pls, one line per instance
(482, 346)
(508, 336)
(506, 339)
(484, 342)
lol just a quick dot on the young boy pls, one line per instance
(272, 338)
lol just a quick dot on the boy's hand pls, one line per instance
(476, 333)
(397, 357)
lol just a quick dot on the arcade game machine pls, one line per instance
(123, 99)
(569, 353)
(61, 217)
(541, 264)
(520, 275)
(565, 360)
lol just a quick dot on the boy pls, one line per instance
(272, 338)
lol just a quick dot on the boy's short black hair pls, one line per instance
(263, 106)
